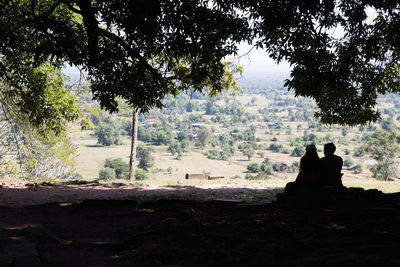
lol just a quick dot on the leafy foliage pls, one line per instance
(107, 173)
(137, 50)
(143, 50)
(385, 150)
(146, 159)
(108, 135)
(120, 167)
(141, 175)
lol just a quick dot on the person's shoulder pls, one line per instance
(338, 158)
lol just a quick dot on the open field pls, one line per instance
(170, 171)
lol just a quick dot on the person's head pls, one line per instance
(311, 151)
(329, 149)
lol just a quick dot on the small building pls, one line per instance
(196, 176)
(151, 121)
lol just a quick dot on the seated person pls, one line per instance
(331, 167)
(309, 171)
(309, 166)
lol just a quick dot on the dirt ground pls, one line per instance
(179, 229)
(15, 193)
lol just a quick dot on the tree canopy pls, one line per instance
(343, 53)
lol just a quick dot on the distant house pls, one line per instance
(151, 121)
(272, 124)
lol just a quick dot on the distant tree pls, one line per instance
(383, 148)
(298, 151)
(310, 137)
(253, 100)
(175, 148)
(121, 168)
(163, 136)
(247, 151)
(146, 159)
(253, 168)
(107, 135)
(275, 147)
(210, 107)
(203, 136)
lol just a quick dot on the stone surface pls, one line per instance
(31, 261)
(22, 250)
(6, 259)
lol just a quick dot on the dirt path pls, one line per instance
(15, 193)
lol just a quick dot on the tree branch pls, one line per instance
(132, 52)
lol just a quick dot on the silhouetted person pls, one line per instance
(309, 172)
(331, 167)
(309, 167)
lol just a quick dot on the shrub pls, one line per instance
(267, 168)
(169, 170)
(357, 169)
(121, 168)
(258, 176)
(141, 175)
(107, 173)
(253, 168)
(261, 176)
(347, 162)
(297, 152)
(275, 147)
(359, 152)
(276, 167)
(248, 176)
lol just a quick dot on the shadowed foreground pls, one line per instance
(195, 233)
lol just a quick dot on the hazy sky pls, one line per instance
(258, 61)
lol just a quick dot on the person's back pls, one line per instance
(331, 167)
(309, 166)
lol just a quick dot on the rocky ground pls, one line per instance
(178, 232)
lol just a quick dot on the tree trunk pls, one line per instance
(132, 160)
